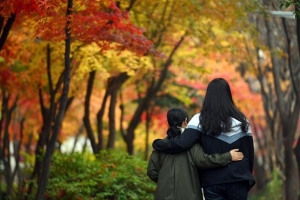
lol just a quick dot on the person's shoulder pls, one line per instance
(155, 154)
(197, 115)
(194, 122)
(195, 118)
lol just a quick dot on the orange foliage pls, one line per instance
(248, 101)
(99, 21)
(91, 21)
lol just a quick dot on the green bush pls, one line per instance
(273, 189)
(109, 175)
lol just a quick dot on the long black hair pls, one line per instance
(218, 109)
(175, 117)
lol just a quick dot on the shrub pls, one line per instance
(108, 175)
(273, 189)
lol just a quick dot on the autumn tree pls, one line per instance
(59, 21)
(95, 39)
(170, 32)
(9, 103)
(17, 103)
(278, 75)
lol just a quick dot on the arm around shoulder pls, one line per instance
(205, 161)
(181, 143)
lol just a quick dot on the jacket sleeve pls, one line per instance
(153, 169)
(205, 161)
(178, 144)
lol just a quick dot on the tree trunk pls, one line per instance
(80, 131)
(298, 27)
(6, 154)
(297, 149)
(288, 105)
(291, 171)
(112, 121)
(86, 118)
(115, 83)
(148, 122)
(150, 94)
(6, 150)
(100, 115)
(297, 154)
(130, 146)
(6, 29)
(17, 148)
(259, 163)
(260, 176)
(48, 115)
(43, 180)
(3, 111)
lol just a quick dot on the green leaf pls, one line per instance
(110, 173)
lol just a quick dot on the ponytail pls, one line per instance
(173, 131)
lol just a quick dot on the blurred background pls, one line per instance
(85, 87)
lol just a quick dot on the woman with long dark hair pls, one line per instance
(219, 127)
(176, 175)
